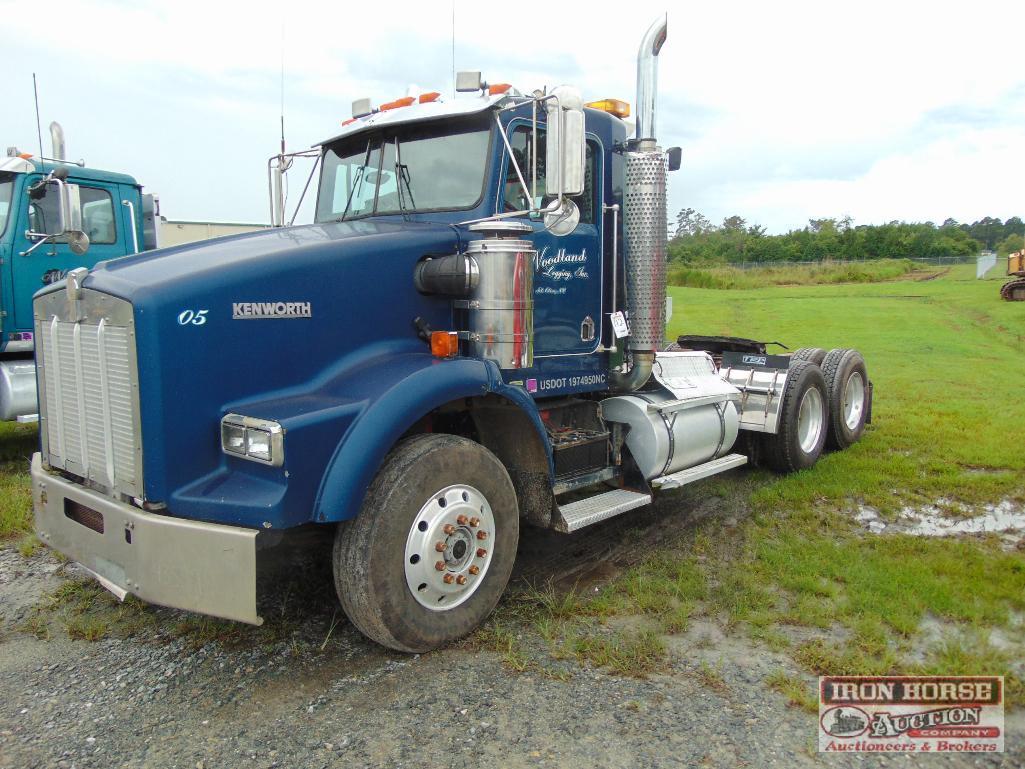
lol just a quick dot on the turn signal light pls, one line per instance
(444, 344)
(405, 101)
(615, 107)
(498, 88)
(429, 96)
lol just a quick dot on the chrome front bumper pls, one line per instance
(202, 567)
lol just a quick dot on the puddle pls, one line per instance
(929, 521)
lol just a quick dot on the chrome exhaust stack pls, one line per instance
(57, 141)
(647, 78)
(644, 223)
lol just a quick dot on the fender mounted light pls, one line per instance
(444, 344)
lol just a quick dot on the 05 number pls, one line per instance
(192, 317)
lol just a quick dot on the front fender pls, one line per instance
(404, 391)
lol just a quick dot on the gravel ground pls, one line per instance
(321, 697)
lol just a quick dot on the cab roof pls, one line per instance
(21, 165)
(416, 112)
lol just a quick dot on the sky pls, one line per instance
(785, 111)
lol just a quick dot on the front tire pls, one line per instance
(437, 500)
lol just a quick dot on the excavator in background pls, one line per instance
(1014, 289)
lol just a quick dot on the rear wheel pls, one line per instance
(811, 354)
(430, 553)
(801, 432)
(848, 387)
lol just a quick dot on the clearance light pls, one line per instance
(429, 96)
(350, 120)
(498, 88)
(615, 107)
(405, 101)
(25, 156)
(444, 344)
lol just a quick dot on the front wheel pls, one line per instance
(431, 551)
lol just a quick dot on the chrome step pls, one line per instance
(577, 515)
(696, 473)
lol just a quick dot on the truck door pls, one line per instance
(102, 222)
(568, 273)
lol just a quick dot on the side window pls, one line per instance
(97, 215)
(522, 146)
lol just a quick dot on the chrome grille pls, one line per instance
(88, 381)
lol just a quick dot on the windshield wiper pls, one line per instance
(402, 172)
(357, 182)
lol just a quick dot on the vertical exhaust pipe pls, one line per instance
(647, 78)
(57, 141)
(644, 223)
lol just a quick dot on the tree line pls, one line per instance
(695, 239)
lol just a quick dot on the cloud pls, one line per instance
(881, 110)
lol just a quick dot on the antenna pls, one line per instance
(282, 89)
(39, 126)
(453, 49)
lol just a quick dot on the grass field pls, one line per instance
(947, 357)
(725, 277)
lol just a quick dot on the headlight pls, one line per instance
(260, 440)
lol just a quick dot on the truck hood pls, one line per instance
(264, 255)
(229, 322)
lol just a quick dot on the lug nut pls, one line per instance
(481, 552)
(475, 522)
(474, 570)
(461, 579)
(448, 579)
(440, 547)
(461, 520)
(482, 534)
(440, 566)
(449, 528)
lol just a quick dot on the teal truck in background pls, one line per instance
(56, 215)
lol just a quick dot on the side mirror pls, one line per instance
(675, 157)
(68, 209)
(564, 160)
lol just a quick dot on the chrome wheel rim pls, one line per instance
(853, 400)
(809, 420)
(449, 547)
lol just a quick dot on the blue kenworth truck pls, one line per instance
(469, 338)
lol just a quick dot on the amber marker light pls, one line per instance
(444, 344)
(616, 107)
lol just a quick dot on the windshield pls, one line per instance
(6, 191)
(404, 169)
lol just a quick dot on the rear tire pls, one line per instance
(848, 386)
(811, 354)
(802, 423)
(430, 489)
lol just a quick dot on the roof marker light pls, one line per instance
(498, 88)
(350, 120)
(616, 107)
(405, 101)
(429, 97)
